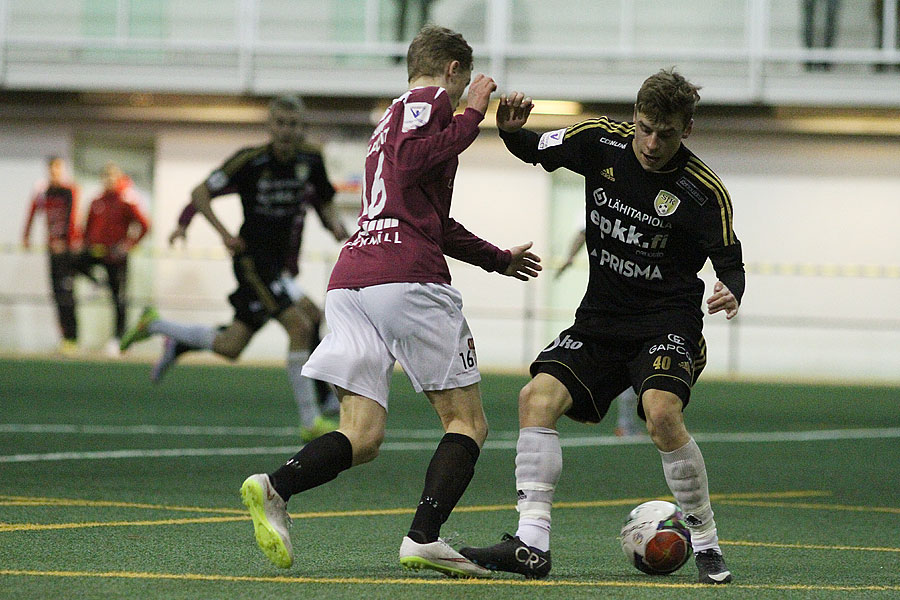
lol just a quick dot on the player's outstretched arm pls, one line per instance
(523, 264)
(513, 111)
(722, 299)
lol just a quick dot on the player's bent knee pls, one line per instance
(539, 405)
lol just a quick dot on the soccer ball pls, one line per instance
(655, 538)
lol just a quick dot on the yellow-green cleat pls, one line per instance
(270, 519)
(320, 427)
(140, 330)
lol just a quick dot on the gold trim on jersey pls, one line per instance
(710, 180)
(241, 158)
(614, 127)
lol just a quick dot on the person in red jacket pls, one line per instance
(115, 224)
(57, 197)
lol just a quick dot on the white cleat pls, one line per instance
(270, 519)
(438, 556)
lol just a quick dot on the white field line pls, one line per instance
(507, 442)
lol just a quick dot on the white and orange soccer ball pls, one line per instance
(655, 538)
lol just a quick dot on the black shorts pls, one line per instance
(260, 294)
(595, 369)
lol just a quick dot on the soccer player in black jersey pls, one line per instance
(275, 182)
(654, 214)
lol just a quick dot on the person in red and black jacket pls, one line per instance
(115, 224)
(58, 198)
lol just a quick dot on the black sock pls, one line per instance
(448, 475)
(318, 462)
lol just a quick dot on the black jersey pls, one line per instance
(273, 194)
(648, 234)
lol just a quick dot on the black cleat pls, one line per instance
(513, 556)
(711, 567)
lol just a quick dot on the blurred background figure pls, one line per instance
(115, 224)
(412, 15)
(820, 27)
(57, 197)
(879, 10)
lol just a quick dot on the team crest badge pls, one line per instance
(666, 203)
(301, 172)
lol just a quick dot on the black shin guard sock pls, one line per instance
(318, 462)
(448, 475)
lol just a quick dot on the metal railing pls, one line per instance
(237, 50)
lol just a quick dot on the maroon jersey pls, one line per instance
(405, 228)
(60, 203)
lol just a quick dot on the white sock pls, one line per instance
(686, 475)
(538, 466)
(196, 336)
(304, 388)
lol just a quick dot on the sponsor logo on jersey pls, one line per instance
(415, 115)
(601, 198)
(626, 267)
(669, 347)
(686, 365)
(551, 138)
(608, 173)
(566, 342)
(628, 235)
(609, 142)
(692, 190)
(666, 203)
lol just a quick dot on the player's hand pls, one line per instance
(180, 233)
(234, 244)
(722, 299)
(480, 91)
(524, 264)
(513, 111)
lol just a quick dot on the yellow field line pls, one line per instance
(6, 500)
(28, 501)
(436, 581)
(807, 546)
(242, 516)
(814, 506)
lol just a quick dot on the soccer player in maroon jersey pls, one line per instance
(57, 197)
(654, 214)
(276, 182)
(389, 299)
(115, 224)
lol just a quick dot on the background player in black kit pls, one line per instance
(273, 182)
(58, 198)
(654, 214)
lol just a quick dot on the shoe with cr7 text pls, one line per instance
(711, 567)
(513, 556)
(271, 521)
(438, 556)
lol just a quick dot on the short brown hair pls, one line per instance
(433, 48)
(667, 94)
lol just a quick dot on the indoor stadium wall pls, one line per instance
(816, 216)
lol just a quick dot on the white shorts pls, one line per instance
(421, 325)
